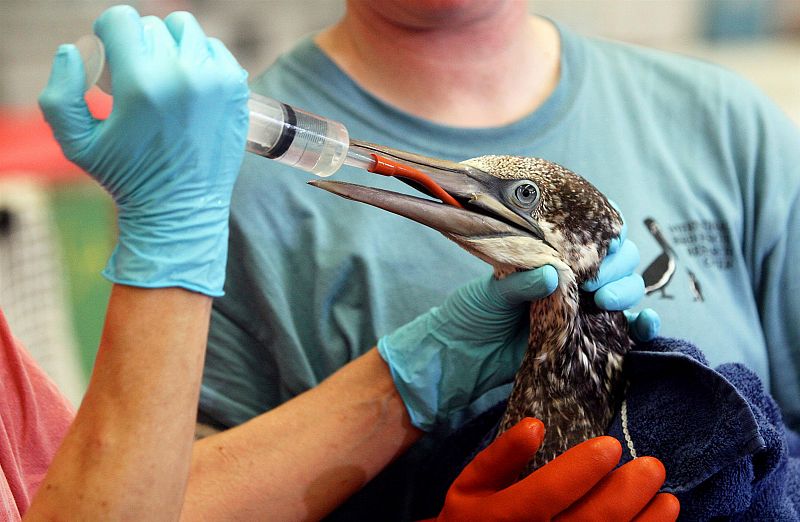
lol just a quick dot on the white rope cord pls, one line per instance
(624, 415)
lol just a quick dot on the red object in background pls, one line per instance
(27, 145)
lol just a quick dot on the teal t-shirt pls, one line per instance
(705, 168)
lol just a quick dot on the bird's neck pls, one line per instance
(570, 375)
(662, 242)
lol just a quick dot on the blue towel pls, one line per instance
(717, 431)
(719, 434)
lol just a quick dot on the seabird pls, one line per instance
(522, 213)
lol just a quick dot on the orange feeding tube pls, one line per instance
(388, 167)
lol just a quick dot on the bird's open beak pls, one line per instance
(483, 214)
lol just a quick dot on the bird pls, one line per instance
(694, 286)
(658, 274)
(522, 213)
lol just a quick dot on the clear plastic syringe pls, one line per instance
(277, 131)
(300, 139)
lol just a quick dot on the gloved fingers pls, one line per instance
(558, 484)
(665, 507)
(523, 287)
(645, 325)
(620, 294)
(158, 40)
(620, 495)
(120, 28)
(615, 266)
(190, 37)
(224, 58)
(500, 464)
(63, 104)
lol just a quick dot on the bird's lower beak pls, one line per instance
(470, 186)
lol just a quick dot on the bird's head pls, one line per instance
(519, 212)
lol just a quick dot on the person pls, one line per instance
(705, 167)
(169, 154)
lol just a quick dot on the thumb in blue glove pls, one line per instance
(170, 151)
(617, 287)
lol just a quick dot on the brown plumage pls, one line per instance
(522, 213)
(570, 375)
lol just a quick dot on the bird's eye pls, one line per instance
(526, 194)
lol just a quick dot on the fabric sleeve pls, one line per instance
(240, 380)
(34, 418)
(779, 306)
(772, 230)
(257, 355)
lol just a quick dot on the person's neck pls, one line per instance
(483, 73)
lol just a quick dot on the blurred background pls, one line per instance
(57, 228)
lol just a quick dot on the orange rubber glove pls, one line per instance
(577, 485)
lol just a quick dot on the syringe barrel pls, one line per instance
(296, 137)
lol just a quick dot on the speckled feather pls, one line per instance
(570, 375)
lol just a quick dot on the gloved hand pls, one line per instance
(618, 287)
(170, 151)
(448, 357)
(576, 485)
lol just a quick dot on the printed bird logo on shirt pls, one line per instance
(660, 272)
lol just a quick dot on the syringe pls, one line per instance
(277, 131)
(300, 139)
(286, 134)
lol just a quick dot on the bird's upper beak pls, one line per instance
(483, 215)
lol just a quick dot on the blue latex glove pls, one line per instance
(170, 151)
(447, 357)
(617, 287)
(451, 355)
